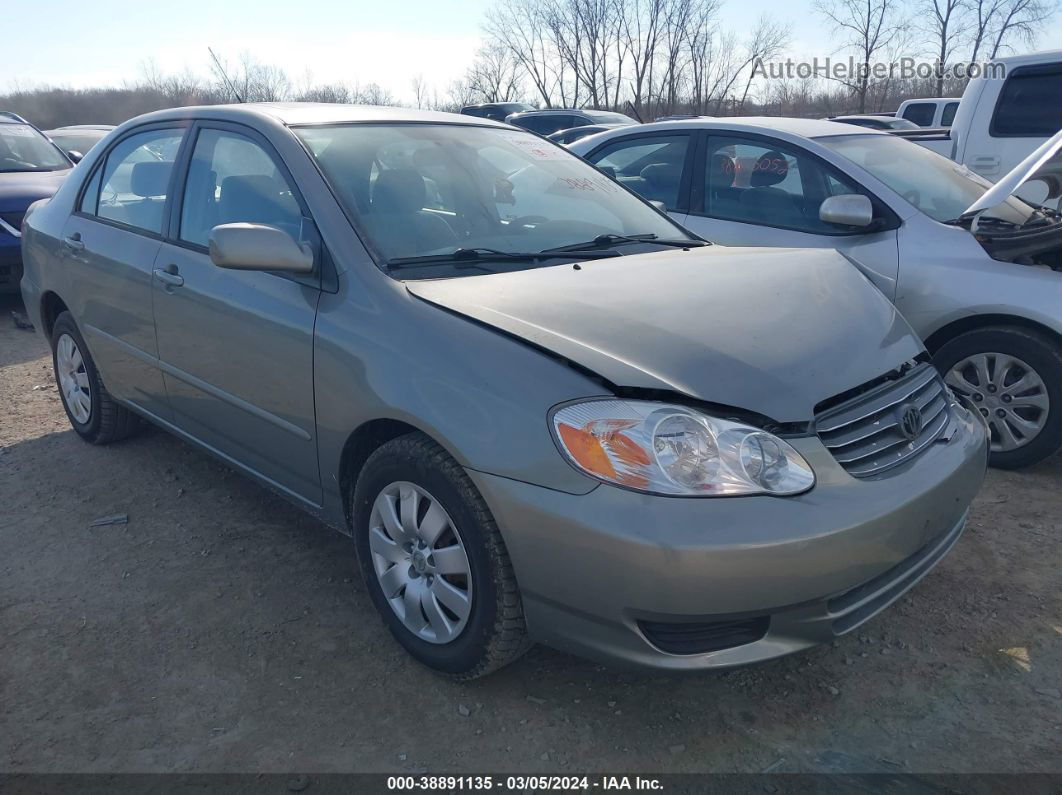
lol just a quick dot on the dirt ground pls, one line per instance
(223, 630)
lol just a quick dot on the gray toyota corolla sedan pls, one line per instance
(543, 411)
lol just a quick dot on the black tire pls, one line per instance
(495, 633)
(108, 421)
(1041, 354)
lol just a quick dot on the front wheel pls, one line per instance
(434, 561)
(1013, 376)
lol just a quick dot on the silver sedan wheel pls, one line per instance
(420, 562)
(73, 379)
(1009, 394)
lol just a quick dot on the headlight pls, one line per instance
(664, 449)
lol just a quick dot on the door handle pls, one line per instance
(73, 242)
(169, 276)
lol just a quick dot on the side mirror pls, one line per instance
(74, 155)
(851, 209)
(658, 205)
(257, 247)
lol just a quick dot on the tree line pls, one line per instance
(647, 58)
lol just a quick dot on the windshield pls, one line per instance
(22, 148)
(607, 117)
(901, 124)
(428, 189)
(939, 187)
(77, 142)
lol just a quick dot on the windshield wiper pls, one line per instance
(612, 240)
(474, 257)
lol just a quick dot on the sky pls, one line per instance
(389, 43)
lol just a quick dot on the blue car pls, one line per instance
(31, 168)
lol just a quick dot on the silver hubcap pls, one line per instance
(420, 562)
(73, 379)
(1008, 393)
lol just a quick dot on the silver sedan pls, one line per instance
(973, 268)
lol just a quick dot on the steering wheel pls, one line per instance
(913, 196)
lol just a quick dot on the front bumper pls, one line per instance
(595, 568)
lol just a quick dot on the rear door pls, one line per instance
(236, 347)
(109, 247)
(759, 191)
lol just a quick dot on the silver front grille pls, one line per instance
(888, 424)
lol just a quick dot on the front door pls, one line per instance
(109, 247)
(236, 347)
(762, 192)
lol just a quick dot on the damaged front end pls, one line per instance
(1015, 228)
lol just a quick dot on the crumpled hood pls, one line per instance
(773, 331)
(1043, 164)
(19, 189)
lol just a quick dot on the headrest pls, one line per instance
(721, 171)
(151, 178)
(662, 174)
(770, 169)
(399, 190)
(253, 198)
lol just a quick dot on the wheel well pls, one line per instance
(361, 444)
(949, 332)
(51, 307)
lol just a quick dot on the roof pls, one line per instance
(808, 128)
(295, 113)
(8, 117)
(1031, 57)
(555, 110)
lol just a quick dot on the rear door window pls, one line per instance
(1030, 104)
(651, 165)
(921, 113)
(135, 181)
(947, 116)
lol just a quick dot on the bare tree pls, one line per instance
(767, 40)
(1020, 19)
(946, 23)
(639, 28)
(521, 26)
(496, 74)
(420, 90)
(866, 26)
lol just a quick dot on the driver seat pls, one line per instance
(399, 218)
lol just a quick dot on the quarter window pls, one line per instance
(1029, 103)
(649, 165)
(947, 116)
(136, 180)
(231, 179)
(769, 185)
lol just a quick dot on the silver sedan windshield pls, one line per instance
(939, 187)
(426, 189)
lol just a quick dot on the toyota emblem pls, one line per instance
(910, 422)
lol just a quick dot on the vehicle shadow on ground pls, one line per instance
(11, 352)
(222, 628)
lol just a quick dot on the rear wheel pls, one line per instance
(434, 562)
(1013, 376)
(92, 412)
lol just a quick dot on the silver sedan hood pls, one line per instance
(773, 331)
(1043, 164)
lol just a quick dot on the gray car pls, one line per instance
(975, 272)
(543, 411)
